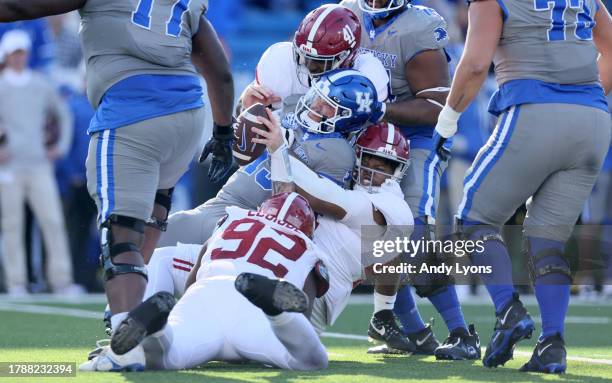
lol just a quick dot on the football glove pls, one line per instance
(220, 145)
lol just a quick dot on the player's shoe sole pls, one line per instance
(148, 317)
(273, 296)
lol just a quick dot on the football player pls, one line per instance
(375, 205)
(143, 59)
(552, 135)
(317, 130)
(328, 38)
(409, 41)
(246, 257)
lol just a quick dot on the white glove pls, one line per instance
(447, 122)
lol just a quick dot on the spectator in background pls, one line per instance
(64, 32)
(79, 207)
(26, 171)
(42, 49)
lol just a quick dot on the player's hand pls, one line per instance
(220, 145)
(273, 137)
(258, 93)
(440, 145)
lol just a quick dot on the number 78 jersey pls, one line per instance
(248, 241)
(547, 40)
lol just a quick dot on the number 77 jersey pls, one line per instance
(248, 241)
(124, 38)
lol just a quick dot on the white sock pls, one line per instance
(383, 302)
(117, 318)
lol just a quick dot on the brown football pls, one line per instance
(244, 150)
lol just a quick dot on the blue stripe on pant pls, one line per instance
(427, 204)
(105, 183)
(487, 160)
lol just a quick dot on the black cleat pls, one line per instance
(548, 356)
(513, 324)
(461, 344)
(272, 296)
(384, 328)
(424, 340)
(147, 318)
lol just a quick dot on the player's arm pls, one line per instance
(210, 60)
(324, 196)
(602, 37)
(14, 10)
(485, 23)
(428, 76)
(191, 278)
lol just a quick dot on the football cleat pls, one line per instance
(272, 296)
(147, 318)
(461, 344)
(383, 328)
(107, 360)
(513, 324)
(548, 356)
(424, 340)
(100, 345)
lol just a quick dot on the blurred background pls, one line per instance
(247, 28)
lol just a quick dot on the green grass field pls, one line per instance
(63, 338)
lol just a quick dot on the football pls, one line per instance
(243, 149)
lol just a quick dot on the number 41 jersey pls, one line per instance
(248, 241)
(123, 38)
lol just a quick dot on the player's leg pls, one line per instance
(551, 215)
(183, 135)
(122, 176)
(292, 342)
(12, 200)
(421, 189)
(169, 268)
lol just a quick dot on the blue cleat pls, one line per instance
(548, 356)
(513, 324)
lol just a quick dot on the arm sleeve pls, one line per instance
(274, 69)
(374, 70)
(58, 108)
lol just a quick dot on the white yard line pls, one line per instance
(37, 309)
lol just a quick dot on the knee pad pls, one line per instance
(473, 231)
(434, 283)
(165, 201)
(546, 262)
(110, 249)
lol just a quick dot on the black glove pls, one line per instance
(439, 145)
(220, 145)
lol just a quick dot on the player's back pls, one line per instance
(123, 38)
(550, 41)
(249, 241)
(546, 54)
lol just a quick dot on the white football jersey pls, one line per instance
(277, 70)
(247, 241)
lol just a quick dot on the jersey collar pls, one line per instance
(373, 31)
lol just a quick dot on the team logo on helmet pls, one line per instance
(364, 100)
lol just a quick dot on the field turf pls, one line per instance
(59, 337)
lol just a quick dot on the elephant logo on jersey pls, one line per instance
(364, 100)
(441, 34)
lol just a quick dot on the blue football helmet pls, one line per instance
(379, 9)
(341, 101)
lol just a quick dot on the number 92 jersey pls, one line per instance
(248, 241)
(123, 38)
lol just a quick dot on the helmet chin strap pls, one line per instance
(367, 189)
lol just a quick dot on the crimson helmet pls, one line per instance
(385, 141)
(327, 38)
(291, 208)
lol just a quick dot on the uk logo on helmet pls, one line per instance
(364, 100)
